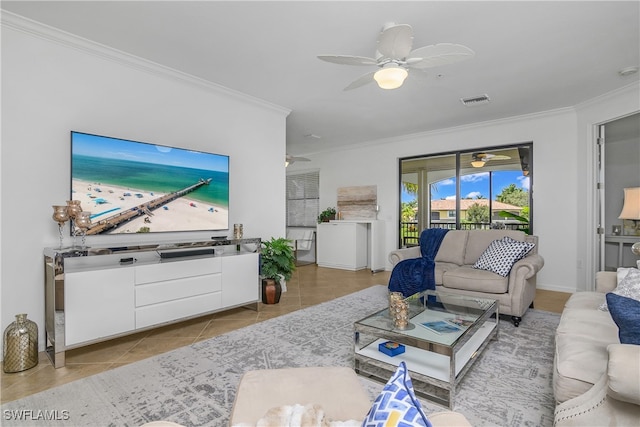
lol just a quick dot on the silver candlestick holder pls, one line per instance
(61, 216)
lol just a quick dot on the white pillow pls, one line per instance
(621, 273)
(628, 285)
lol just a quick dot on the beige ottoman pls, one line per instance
(336, 389)
(448, 419)
(161, 424)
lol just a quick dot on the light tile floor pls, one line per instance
(310, 285)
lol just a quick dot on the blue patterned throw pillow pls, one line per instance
(501, 254)
(626, 313)
(397, 405)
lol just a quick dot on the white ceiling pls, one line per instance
(530, 56)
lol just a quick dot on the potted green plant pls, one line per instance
(327, 215)
(277, 262)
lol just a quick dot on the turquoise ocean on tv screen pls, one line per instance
(160, 178)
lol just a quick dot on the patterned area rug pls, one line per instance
(509, 385)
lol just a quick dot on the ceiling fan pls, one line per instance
(292, 159)
(395, 58)
(479, 159)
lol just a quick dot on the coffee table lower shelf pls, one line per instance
(433, 375)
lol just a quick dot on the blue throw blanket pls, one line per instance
(415, 275)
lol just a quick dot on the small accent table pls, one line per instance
(621, 241)
(436, 361)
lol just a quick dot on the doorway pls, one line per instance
(619, 164)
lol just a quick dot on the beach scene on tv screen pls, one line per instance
(135, 187)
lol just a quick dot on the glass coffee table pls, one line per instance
(444, 335)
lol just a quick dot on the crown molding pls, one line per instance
(37, 29)
(612, 95)
(630, 88)
(448, 130)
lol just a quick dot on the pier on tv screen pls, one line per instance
(137, 187)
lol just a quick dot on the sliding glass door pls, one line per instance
(475, 189)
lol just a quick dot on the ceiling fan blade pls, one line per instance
(289, 158)
(395, 42)
(485, 157)
(499, 157)
(438, 54)
(348, 59)
(361, 81)
(419, 75)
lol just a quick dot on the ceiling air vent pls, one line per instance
(476, 100)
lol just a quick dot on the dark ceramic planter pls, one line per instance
(271, 291)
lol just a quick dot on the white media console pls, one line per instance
(99, 293)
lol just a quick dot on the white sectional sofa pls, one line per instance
(596, 380)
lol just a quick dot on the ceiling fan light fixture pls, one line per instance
(477, 163)
(390, 76)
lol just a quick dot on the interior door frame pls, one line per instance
(600, 196)
(595, 260)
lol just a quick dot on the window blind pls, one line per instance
(303, 198)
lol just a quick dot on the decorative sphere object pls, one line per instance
(636, 248)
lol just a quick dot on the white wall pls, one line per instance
(560, 195)
(52, 84)
(554, 144)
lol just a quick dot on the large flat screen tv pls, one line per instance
(137, 187)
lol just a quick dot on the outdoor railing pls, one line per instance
(410, 234)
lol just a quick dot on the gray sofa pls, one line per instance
(596, 380)
(454, 271)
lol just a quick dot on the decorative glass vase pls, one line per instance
(20, 345)
(399, 310)
(237, 231)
